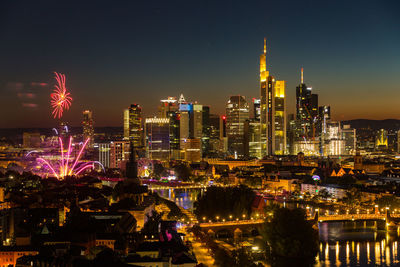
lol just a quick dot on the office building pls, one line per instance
(252, 139)
(350, 140)
(214, 134)
(205, 138)
(237, 112)
(272, 111)
(306, 110)
(104, 154)
(256, 109)
(88, 127)
(118, 153)
(31, 140)
(192, 148)
(167, 106)
(158, 138)
(185, 109)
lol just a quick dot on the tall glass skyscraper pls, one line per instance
(237, 112)
(158, 138)
(133, 128)
(88, 127)
(273, 111)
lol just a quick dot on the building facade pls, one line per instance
(237, 112)
(88, 127)
(158, 138)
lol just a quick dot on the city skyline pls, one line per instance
(106, 75)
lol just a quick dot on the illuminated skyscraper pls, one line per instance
(196, 121)
(126, 124)
(169, 108)
(306, 110)
(279, 125)
(350, 139)
(133, 128)
(185, 109)
(273, 111)
(237, 112)
(118, 153)
(252, 138)
(104, 154)
(256, 109)
(157, 138)
(205, 139)
(88, 128)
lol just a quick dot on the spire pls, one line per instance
(132, 155)
(181, 99)
(131, 165)
(302, 80)
(265, 45)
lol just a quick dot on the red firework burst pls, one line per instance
(60, 98)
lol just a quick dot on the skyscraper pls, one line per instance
(184, 124)
(306, 110)
(279, 125)
(88, 129)
(272, 111)
(205, 139)
(252, 138)
(237, 112)
(133, 128)
(256, 109)
(169, 108)
(157, 138)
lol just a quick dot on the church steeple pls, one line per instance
(131, 165)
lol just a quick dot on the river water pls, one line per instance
(341, 244)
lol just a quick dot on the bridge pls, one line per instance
(232, 227)
(391, 222)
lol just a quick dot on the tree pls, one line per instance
(324, 194)
(223, 202)
(289, 236)
(158, 169)
(182, 172)
(390, 201)
(352, 198)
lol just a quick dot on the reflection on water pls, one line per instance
(182, 197)
(356, 244)
(341, 244)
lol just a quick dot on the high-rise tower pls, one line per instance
(306, 110)
(133, 128)
(88, 127)
(273, 111)
(237, 112)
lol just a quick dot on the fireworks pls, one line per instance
(68, 165)
(60, 98)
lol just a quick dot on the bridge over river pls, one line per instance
(389, 221)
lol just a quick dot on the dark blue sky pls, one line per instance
(119, 52)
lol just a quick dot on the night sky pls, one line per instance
(115, 53)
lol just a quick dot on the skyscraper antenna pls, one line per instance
(265, 45)
(302, 80)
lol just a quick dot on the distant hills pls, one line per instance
(388, 124)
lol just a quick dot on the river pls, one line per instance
(341, 244)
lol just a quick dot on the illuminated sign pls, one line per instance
(185, 107)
